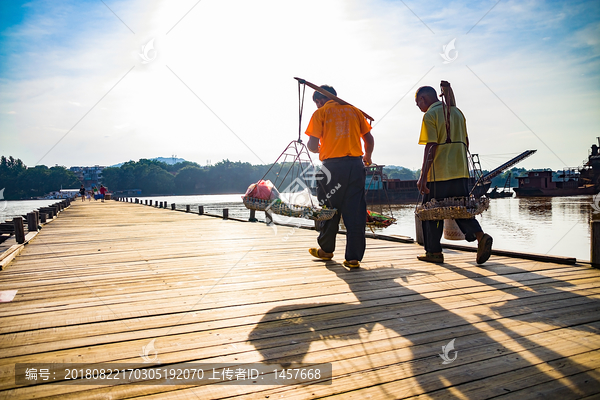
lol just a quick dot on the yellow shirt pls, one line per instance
(339, 129)
(450, 161)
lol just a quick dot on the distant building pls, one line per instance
(88, 176)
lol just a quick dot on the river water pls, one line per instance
(557, 226)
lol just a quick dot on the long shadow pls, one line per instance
(284, 334)
(536, 292)
(539, 299)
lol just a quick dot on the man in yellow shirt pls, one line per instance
(445, 173)
(335, 132)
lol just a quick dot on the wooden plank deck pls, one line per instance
(105, 279)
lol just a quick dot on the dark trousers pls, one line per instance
(345, 191)
(433, 230)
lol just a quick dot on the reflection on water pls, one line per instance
(557, 226)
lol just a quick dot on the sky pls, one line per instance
(102, 82)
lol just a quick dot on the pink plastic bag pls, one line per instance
(262, 190)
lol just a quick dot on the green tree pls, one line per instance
(10, 168)
(404, 174)
(62, 178)
(21, 182)
(153, 179)
(190, 179)
(111, 178)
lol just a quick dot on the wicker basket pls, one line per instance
(289, 210)
(452, 208)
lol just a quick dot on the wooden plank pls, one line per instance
(10, 255)
(385, 357)
(223, 298)
(60, 337)
(233, 291)
(406, 379)
(524, 378)
(30, 236)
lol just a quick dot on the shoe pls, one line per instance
(315, 253)
(431, 257)
(484, 248)
(351, 265)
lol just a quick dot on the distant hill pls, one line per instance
(166, 160)
(169, 160)
(396, 167)
(402, 173)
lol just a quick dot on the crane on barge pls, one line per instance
(383, 190)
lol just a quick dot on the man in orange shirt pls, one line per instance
(335, 132)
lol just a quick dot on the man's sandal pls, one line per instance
(432, 257)
(351, 265)
(484, 248)
(315, 253)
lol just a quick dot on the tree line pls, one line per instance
(20, 182)
(185, 178)
(154, 177)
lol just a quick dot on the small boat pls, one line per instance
(382, 190)
(498, 194)
(505, 192)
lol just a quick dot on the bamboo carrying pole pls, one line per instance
(331, 96)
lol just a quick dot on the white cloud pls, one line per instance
(222, 79)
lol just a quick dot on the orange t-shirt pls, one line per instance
(339, 129)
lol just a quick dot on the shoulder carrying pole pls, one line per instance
(331, 96)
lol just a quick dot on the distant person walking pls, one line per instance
(82, 193)
(335, 132)
(95, 191)
(445, 172)
(102, 192)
